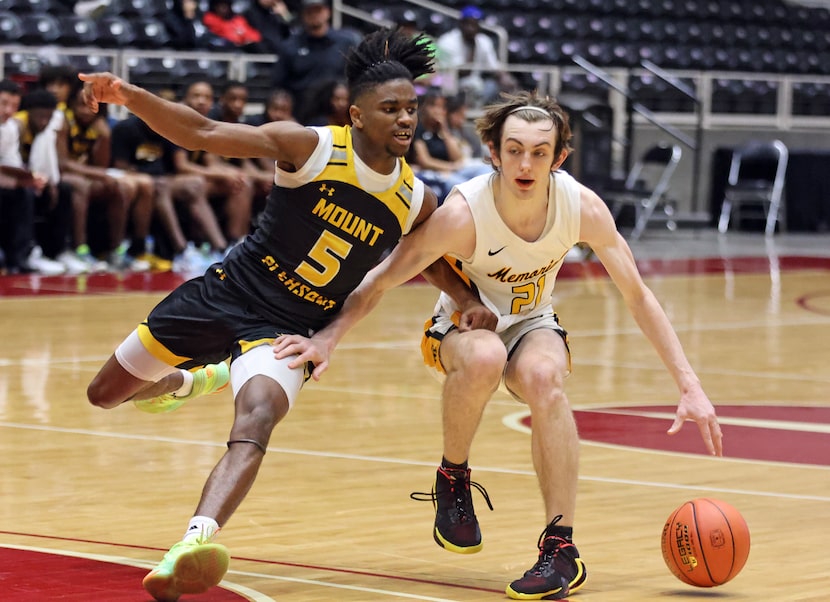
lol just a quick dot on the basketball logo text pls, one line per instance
(684, 545)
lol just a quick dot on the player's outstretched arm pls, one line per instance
(283, 141)
(598, 230)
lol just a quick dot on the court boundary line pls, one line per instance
(400, 461)
(242, 589)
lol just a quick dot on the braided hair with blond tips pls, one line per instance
(384, 55)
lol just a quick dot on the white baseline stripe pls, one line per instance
(355, 588)
(399, 461)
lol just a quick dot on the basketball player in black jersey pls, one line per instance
(343, 196)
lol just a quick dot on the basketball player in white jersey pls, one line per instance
(508, 233)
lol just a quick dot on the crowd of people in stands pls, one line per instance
(81, 192)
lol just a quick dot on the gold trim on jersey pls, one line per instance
(341, 168)
(246, 346)
(156, 349)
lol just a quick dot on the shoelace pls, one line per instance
(546, 556)
(460, 494)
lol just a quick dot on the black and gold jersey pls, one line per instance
(81, 138)
(316, 241)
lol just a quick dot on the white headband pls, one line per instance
(532, 108)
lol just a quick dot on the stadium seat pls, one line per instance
(115, 32)
(646, 186)
(258, 81)
(88, 63)
(150, 33)
(156, 73)
(78, 31)
(520, 51)
(756, 176)
(18, 7)
(39, 29)
(48, 7)
(11, 28)
(142, 8)
(203, 69)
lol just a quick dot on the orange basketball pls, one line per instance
(705, 542)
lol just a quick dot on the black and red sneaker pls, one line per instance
(558, 572)
(456, 526)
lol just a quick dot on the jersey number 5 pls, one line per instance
(328, 252)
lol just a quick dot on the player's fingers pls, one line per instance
(89, 99)
(283, 341)
(711, 437)
(676, 425)
(717, 437)
(303, 355)
(319, 369)
(289, 350)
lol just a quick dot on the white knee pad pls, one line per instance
(261, 360)
(135, 359)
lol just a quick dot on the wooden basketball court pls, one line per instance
(330, 517)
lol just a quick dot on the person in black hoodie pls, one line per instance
(184, 23)
(314, 53)
(273, 19)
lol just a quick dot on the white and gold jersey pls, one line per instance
(515, 277)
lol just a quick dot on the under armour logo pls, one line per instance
(325, 189)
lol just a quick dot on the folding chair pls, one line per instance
(646, 186)
(756, 176)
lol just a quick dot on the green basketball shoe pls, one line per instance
(210, 379)
(189, 567)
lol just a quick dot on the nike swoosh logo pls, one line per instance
(491, 252)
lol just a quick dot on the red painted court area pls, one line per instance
(34, 576)
(799, 435)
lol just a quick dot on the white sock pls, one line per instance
(201, 527)
(187, 384)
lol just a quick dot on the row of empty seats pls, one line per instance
(69, 30)
(732, 11)
(739, 96)
(675, 34)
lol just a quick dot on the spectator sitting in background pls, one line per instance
(84, 146)
(482, 76)
(137, 148)
(52, 204)
(316, 52)
(461, 128)
(227, 184)
(407, 21)
(272, 19)
(18, 187)
(61, 80)
(278, 107)
(223, 22)
(436, 152)
(327, 103)
(187, 31)
(231, 108)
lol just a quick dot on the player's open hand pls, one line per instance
(695, 405)
(305, 350)
(102, 88)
